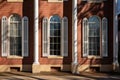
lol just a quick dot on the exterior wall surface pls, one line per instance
(104, 9)
(47, 9)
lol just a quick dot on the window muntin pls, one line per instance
(55, 36)
(15, 35)
(94, 35)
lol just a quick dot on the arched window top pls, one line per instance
(65, 19)
(94, 22)
(94, 19)
(45, 19)
(15, 17)
(85, 19)
(4, 18)
(55, 18)
(25, 18)
(104, 20)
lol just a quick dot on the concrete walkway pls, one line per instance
(58, 76)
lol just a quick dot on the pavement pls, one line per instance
(58, 76)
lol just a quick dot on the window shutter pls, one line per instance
(104, 37)
(64, 37)
(25, 37)
(4, 36)
(45, 37)
(85, 37)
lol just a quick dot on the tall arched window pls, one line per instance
(15, 35)
(55, 35)
(94, 35)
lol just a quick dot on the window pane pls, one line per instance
(15, 35)
(55, 24)
(94, 35)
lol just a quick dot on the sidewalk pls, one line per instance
(57, 76)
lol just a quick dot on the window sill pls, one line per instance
(94, 57)
(16, 57)
(14, 0)
(55, 57)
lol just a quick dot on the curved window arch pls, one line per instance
(55, 35)
(94, 35)
(15, 34)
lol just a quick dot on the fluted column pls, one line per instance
(74, 36)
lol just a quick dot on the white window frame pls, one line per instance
(104, 33)
(14, 36)
(62, 54)
(49, 36)
(8, 39)
(100, 55)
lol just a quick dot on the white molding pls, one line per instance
(74, 38)
(36, 25)
(74, 34)
(115, 37)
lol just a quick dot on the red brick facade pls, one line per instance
(47, 9)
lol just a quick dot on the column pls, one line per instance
(74, 37)
(115, 38)
(36, 43)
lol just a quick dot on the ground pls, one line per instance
(58, 76)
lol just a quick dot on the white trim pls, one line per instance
(104, 43)
(115, 37)
(54, 36)
(74, 36)
(36, 32)
(44, 29)
(4, 36)
(25, 32)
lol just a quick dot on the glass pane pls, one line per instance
(57, 47)
(52, 26)
(51, 39)
(57, 26)
(51, 46)
(57, 40)
(52, 33)
(57, 33)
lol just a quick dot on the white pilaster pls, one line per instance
(74, 37)
(36, 25)
(115, 38)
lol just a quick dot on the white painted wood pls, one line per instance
(85, 37)
(25, 37)
(64, 37)
(104, 37)
(74, 32)
(36, 25)
(4, 36)
(115, 37)
(45, 37)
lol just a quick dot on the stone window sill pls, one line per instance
(55, 57)
(14, 0)
(15, 57)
